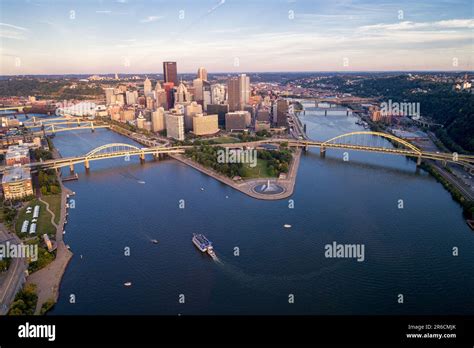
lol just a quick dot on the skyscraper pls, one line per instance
(147, 87)
(170, 72)
(158, 120)
(238, 92)
(217, 94)
(202, 74)
(169, 90)
(282, 110)
(182, 95)
(197, 84)
(175, 126)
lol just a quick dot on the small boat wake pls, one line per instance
(128, 175)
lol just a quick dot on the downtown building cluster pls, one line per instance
(198, 107)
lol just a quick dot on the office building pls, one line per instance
(202, 74)
(158, 123)
(160, 97)
(220, 110)
(175, 126)
(262, 125)
(281, 113)
(109, 96)
(141, 121)
(150, 102)
(205, 124)
(206, 94)
(263, 115)
(182, 95)
(218, 95)
(170, 72)
(238, 92)
(131, 97)
(17, 154)
(189, 112)
(237, 120)
(127, 115)
(169, 90)
(147, 87)
(198, 93)
(120, 99)
(17, 183)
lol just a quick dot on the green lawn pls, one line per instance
(54, 202)
(226, 140)
(43, 224)
(259, 171)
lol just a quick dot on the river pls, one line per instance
(407, 251)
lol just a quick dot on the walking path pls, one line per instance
(246, 186)
(48, 279)
(53, 216)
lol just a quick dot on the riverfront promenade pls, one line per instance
(246, 186)
(48, 279)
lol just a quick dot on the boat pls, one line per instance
(141, 182)
(201, 242)
(128, 284)
(210, 251)
(202, 188)
(154, 241)
(287, 226)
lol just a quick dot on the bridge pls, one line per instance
(18, 108)
(60, 124)
(107, 151)
(366, 141)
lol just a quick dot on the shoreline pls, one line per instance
(48, 279)
(246, 186)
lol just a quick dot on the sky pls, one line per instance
(136, 36)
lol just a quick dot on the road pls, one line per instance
(15, 276)
(465, 191)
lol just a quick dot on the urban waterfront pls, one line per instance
(407, 251)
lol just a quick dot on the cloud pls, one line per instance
(407, 25)
(14, 32)
(13, 26)
(151, 19)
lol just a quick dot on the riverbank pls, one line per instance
(247, 186)
(48, 279)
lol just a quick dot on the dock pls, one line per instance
(70, 177)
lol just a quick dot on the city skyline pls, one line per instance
(135, 37)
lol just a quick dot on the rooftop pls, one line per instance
(16, 174)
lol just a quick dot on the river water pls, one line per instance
(407, 251)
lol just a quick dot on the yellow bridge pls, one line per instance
(358, 141)
(61, 124)
(18, 108)
(100, 153)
